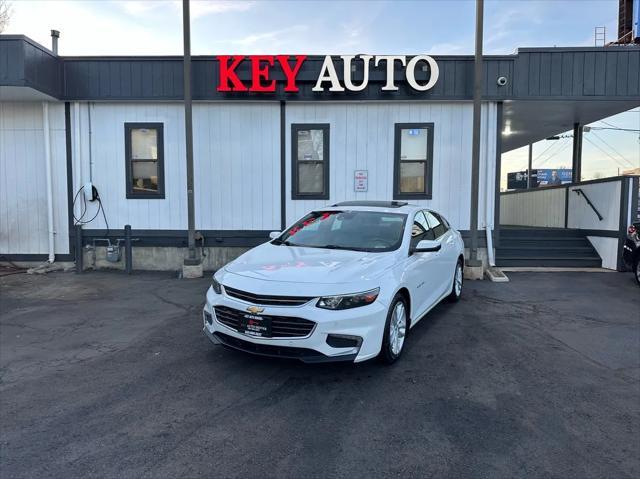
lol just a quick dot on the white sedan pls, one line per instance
(345, 283)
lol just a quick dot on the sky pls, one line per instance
(149, 27)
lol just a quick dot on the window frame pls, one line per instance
(326, 134)
(428, 170)
(128, 161)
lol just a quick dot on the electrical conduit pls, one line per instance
(47, 160)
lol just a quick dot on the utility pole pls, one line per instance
(530, 167)
(475, 154)
(192, 267)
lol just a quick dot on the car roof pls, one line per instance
(385, 206)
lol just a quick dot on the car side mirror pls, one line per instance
(426, 246)
(274, 234)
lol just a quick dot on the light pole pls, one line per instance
(192, 267)
(475, 152)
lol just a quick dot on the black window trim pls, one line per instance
(428, 173)
(326, 133)
(131, 193)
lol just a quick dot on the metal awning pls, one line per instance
(527, 121)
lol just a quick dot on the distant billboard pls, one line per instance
(517, 180)
(552, 177)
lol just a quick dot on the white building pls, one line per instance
(264, 158)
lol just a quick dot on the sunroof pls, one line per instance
(380, 204)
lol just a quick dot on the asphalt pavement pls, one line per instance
(104, 375)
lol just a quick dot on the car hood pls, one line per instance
(310, 265)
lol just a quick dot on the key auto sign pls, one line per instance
(329, 78)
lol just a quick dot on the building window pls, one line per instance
(144, 156)
(310, 161)
(413, 161)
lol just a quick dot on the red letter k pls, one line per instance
(228, 74)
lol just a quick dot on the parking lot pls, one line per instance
(104, 375)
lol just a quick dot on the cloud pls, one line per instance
(451, 49)
(95, 29)
(202, 8)
(198, 8)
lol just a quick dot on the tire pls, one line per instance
(636, 270)
(456, 288)
(392, 343)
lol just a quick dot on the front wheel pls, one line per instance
(395, 330)
(458, 279)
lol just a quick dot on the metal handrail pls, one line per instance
(579, 192)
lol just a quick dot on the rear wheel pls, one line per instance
(458, 279)
(395, 330)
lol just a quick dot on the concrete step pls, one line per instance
(574, 262)
(545, 251)
(547, 242)
(540, 233)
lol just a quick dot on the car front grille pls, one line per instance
(267, 300)
(281, 326)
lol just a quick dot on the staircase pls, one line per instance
(520, 246)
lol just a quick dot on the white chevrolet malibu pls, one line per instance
(345, 283)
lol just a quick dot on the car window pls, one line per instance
(420, 229)
(435, 224)
(445, 223)
(352, 230)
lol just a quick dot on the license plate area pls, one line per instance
(254, 325)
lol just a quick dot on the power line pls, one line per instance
(603, 151)
(547, 149)
(612, 148)
(560, 146)
(614, 128)
(564, 147)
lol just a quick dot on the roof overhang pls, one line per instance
(22, 93)
(527, 121)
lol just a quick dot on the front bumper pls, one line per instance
(366, 322)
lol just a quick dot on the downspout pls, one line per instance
(76, 149)
(487, 205)
(47, 161)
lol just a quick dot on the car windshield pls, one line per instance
(353, 230)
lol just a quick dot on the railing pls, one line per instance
(613, 200)
(555, 207)
(579, 192)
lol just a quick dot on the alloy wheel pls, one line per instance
(458, 280)
(397, 328)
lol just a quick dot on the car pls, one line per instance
(344, 283)
(631, 250)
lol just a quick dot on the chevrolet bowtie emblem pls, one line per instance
(255, 309)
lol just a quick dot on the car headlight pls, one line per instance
(217, 287)
(348, 301)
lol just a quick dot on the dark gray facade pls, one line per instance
(611, 73)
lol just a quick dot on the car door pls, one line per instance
(421, 281)
(445, 261)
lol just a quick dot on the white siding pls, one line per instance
(362, 137)
(544, 208)
(605, 197)
(23, 191)
(236, 165)
(607, 249)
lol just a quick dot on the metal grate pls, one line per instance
(281, 326)
(266, 299)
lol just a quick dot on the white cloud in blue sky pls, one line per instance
(265, 26)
